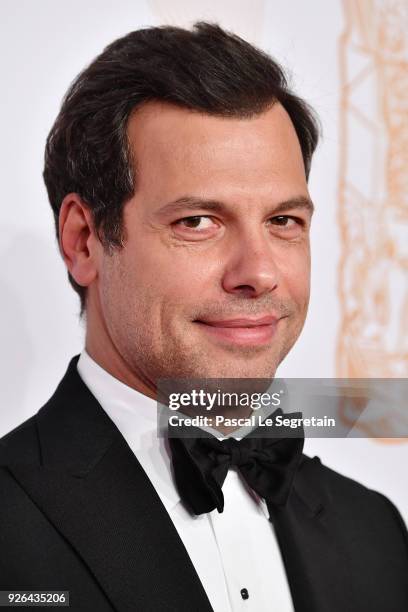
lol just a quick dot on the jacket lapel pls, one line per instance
(309, 536)
(96, 494)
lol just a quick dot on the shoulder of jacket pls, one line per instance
(348, 494)
(20, 444)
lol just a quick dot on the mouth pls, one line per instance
(241, 331)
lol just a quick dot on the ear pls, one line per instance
(78, 242)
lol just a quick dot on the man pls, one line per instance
(177, 173)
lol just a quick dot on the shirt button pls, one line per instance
(244, 593)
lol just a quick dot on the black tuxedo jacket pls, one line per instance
(78, 513)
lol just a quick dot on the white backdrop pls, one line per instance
(43, 46)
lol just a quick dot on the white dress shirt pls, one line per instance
(233, 550)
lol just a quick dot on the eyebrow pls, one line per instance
(194, 203)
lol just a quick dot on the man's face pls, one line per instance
(213, 280)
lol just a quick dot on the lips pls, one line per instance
(241, 322)
(241, 331)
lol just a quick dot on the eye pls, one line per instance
(198, 222)
(287, 227)
(197, 227)
(285, 221)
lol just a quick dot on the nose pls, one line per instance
(251, 269)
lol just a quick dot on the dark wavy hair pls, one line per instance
(206, 69)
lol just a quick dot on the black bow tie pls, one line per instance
(200, 465)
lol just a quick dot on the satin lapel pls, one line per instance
(313, 552)
(96, 494)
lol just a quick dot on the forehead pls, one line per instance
(173, 146)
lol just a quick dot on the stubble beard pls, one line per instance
(180, 359)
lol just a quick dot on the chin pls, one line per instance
(242, 368)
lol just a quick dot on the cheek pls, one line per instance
(176, 273)
(159, 284)
(295, 275)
